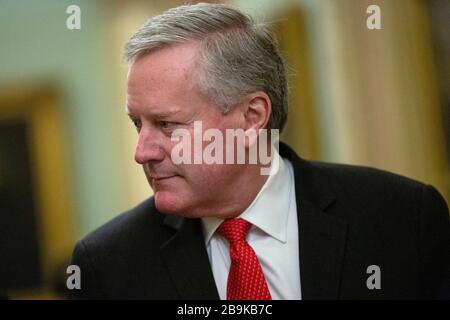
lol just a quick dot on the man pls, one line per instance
(308, 230)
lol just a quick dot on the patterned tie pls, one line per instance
(246, 279)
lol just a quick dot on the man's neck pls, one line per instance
(247, 189)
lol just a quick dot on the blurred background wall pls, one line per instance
(371, 97)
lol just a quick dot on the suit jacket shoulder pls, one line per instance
(379, 219)
(114, 256)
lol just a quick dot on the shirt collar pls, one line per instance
(270, 208)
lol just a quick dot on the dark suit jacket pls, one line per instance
(349, 218)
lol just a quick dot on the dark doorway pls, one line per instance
(20, 266)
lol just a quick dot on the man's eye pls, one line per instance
(167, 125)
(137, 124)
(164, 124)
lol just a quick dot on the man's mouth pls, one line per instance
(160, 178)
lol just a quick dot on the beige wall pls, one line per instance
(387, 105)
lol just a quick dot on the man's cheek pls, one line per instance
(147, 175)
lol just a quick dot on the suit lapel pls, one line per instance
(187, 261)
(322, 242)
(321, 235)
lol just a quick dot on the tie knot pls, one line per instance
(234, 229)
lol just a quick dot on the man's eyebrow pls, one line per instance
(156, 114)
(165, 114)
(132, 117)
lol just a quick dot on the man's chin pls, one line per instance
(172, 204)
(168, 203)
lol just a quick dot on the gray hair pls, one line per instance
(236, 56)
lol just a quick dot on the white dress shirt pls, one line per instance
(273, 236)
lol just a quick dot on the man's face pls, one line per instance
(162, 97)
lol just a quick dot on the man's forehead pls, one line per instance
(160, 83)
(174, 59)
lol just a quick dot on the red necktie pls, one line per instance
(246, 279)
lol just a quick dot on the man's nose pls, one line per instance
(148, 149)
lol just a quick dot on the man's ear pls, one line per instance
(258, 109)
